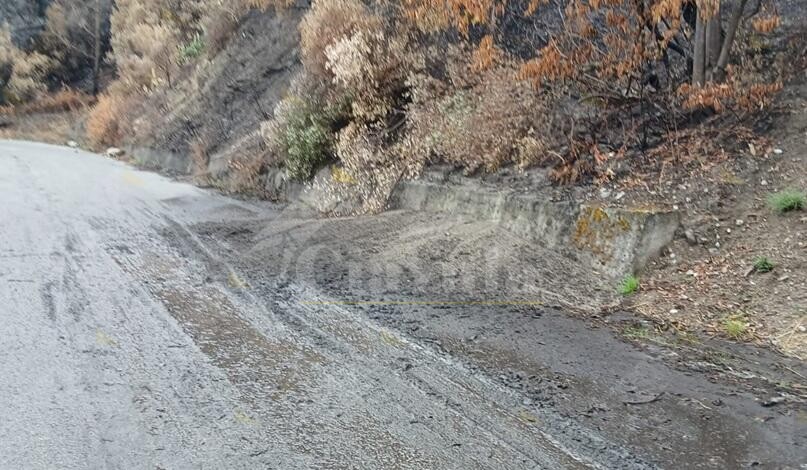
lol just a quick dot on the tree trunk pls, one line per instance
(96, 63)
(699, 53)
(714, 38)
(734, 23)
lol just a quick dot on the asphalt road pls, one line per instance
(128, 344)
(147, 323)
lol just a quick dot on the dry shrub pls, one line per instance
(372, 167)
(327, 22)
(371, 68)
(22, 75)
(218, 31)
(200, 158)
(144, 43)
(108, 121)
(245, 173)
(27, 81)
(483, 120)
(65, 100)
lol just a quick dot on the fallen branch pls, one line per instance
(645, 402)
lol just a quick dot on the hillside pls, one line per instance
(26, 18)
(270, 100)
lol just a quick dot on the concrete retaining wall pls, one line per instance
(613, 240)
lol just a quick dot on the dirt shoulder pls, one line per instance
(707, 406)
(706, 281)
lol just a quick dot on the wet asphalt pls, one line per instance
(129, 340)
(119, 351)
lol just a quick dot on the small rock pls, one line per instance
(692, 273)
(763, 183)
(690, 236)
(774, 401)
(673, 311)
(619, 195)
(114, 152)
(778, 151)
(784, 278)
(728, 230)
(72, 144)
(604, 193)
(739, 222)
(527, 402)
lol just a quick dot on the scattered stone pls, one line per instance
(778, 151)
(619, 195)
(72, 144)
(763, 183)
(690, 236)
(673, 311)
(784, 278)
(692, 273)
(774, 401)
(739, 222)
(114, 152)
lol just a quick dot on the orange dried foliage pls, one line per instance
(107, 121)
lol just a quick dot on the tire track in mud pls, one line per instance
(345, 337)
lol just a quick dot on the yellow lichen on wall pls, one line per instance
(596, 231)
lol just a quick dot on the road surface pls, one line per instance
(131, 340)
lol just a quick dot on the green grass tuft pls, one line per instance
(629, 285)
(763, 265)
(193, 49)
(735, 327)
(636, 332)
(787, 200)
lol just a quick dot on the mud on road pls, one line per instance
(151, 324)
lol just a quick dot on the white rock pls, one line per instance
(778, 151)
(739, 222)
(72, 144)
(763, 183)
(114, 152)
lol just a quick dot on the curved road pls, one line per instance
(131, 338)
(127, 344)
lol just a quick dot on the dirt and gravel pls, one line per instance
(151, 324)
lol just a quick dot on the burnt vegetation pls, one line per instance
(589, 89)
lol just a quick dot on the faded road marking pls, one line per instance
(132, 179)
